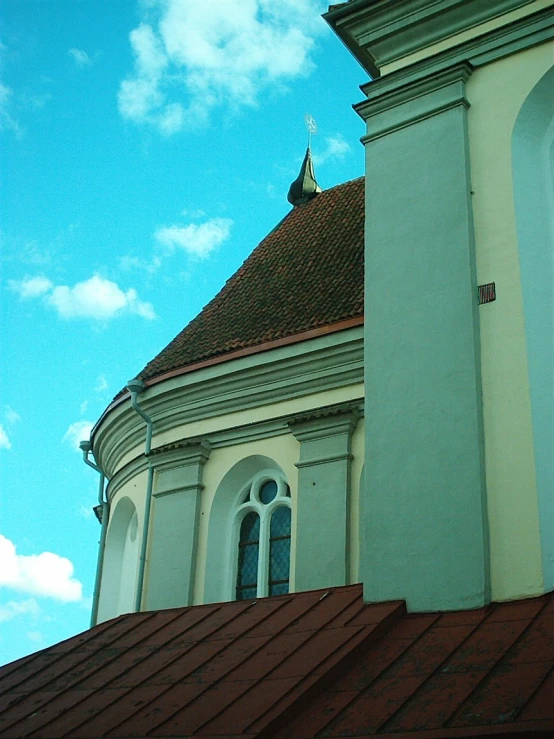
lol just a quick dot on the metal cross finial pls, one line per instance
(311, 125)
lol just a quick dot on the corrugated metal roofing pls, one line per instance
(307, 273)
(315, 664)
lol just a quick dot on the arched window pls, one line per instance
(263, 522)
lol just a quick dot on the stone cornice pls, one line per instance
(324, 422)
(193, 451)
(401, 100)
(380, 32)
(300, 370)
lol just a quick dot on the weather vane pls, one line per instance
(311, 125)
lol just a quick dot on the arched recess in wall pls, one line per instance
(533, 171)
(220, 560)
(119, 571)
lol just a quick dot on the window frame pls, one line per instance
(248, 501)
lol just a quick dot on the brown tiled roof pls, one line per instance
(307, 273)
(315, 664)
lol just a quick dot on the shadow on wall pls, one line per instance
(533, 173)
(119, 572)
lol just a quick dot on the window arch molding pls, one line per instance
(220, 565)
(265, 493)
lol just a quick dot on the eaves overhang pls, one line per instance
(315, 361)
(379, 32)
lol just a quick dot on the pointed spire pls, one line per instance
(304, 187)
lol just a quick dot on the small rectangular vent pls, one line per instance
(487, 293)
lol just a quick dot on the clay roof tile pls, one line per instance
(308, 272)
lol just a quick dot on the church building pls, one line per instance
(327, 506)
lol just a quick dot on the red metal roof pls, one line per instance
(315, 664)
(307, 273)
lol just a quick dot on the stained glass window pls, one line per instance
(264, 538)
(249, 548)
(279, 551)
(268, 491)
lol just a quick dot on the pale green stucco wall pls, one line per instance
(358, 442)
(423, 528)
(496, 93)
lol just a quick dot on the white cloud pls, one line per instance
(194, 55)
(77, 432)
(13, 608)
(335, 148)
(80, 57)
(34, 636)
(5, 442)
(95, 298)
(83, 407)
(31, 287)
(44, 574)
(198, 240)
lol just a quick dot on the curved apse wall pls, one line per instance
(533, 171)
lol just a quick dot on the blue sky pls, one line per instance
(145, 149)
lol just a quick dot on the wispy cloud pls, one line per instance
(101, 383)
(191, 56)
(5, 442)
(13, 608)
(11, 415)
(31, 287)
(197, 240)
(46, 574)
(7, 121)
(80, 57)
(85, 511)
(149, 266)
(77, 432)
(336, 147)
(96, 298)
(11, 418)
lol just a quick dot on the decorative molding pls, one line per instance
(312, 333)
(190, 451)
(324, 460)
(328, 411)
(174, 453)
(127, 473)
(319, 365)
(342, 420)
(397, 103)
(379, 33)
